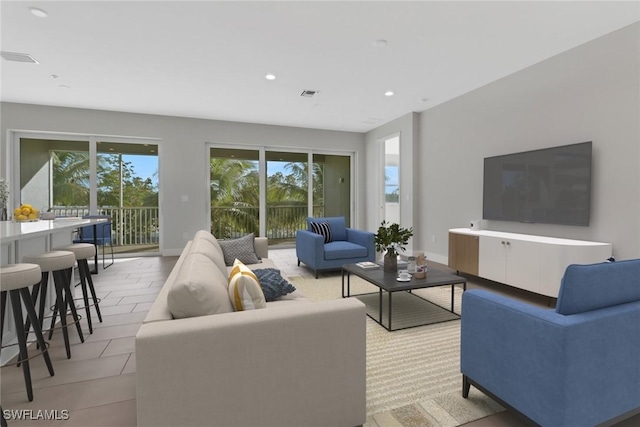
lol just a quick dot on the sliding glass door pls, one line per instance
(76, 177)
(234, 187)
(266, 192)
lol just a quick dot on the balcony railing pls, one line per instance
(132, 229)
(137, 229)
(228, 222)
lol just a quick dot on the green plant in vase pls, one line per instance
(391, 239)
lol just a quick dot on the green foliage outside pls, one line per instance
(71, 188)
(235, 197)
(71, 181)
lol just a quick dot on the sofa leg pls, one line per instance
(298, 262)
(466, 385)
(316, 274)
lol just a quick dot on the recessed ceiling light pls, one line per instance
(388, 93)
(38, 12)
(270, 77)
(380, 43)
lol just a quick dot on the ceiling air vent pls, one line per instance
(18, 57)
(309, 93)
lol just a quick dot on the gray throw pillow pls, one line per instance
(241, 249)
(273, 284)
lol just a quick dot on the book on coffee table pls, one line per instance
(367, 265)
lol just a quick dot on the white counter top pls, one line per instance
(13, 231)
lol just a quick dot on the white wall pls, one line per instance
(182, 152)
(590, 93)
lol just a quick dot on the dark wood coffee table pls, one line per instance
(386, 282)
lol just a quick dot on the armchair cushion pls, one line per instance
(589, 287)
(343, 250)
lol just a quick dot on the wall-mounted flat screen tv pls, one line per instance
(548, 186)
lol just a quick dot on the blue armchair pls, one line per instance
(344, 246)
(577, 365)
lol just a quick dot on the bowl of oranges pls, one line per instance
(25, 213)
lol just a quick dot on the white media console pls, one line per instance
(533, 263)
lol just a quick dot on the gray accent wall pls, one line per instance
(589, 93)
(182, 154)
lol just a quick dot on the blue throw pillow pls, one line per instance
(273, 284)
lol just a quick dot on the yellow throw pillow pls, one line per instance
(244, 288)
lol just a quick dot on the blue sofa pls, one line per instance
(577, 365)
(348, 245)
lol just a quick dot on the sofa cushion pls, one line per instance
(241, 249)
(244, 288)
(273, 285)
(336, 223)
(206, 244)
(343, 250)
(323, 229)
(590, 287)
(199, 289)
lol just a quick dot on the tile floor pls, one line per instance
(96, 387)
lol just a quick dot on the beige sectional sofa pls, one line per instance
(293, 363)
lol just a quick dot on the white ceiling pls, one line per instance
(208, 59)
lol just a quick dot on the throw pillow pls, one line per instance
(199, 289)
(323, 229)
(241, 249)
(244, 288)
(273, 284)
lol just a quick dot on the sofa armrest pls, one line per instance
(261, 246)
(300, 364)
(550, 367)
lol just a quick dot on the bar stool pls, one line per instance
(82, 252)
(60, 263)
(16, 279)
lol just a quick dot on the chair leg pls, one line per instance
(31, 313)
(71, 303)
(466, 386)
(104, 267)
(3, 309)
(3, 420)
(85, 296)
(44, 284)
(92, 289)
(22, 341)
(60, 306)
(33, 297)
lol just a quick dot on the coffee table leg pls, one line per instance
(390, 293)
(452, 297)
(380, 306)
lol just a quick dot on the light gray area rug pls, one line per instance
(413, 375)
